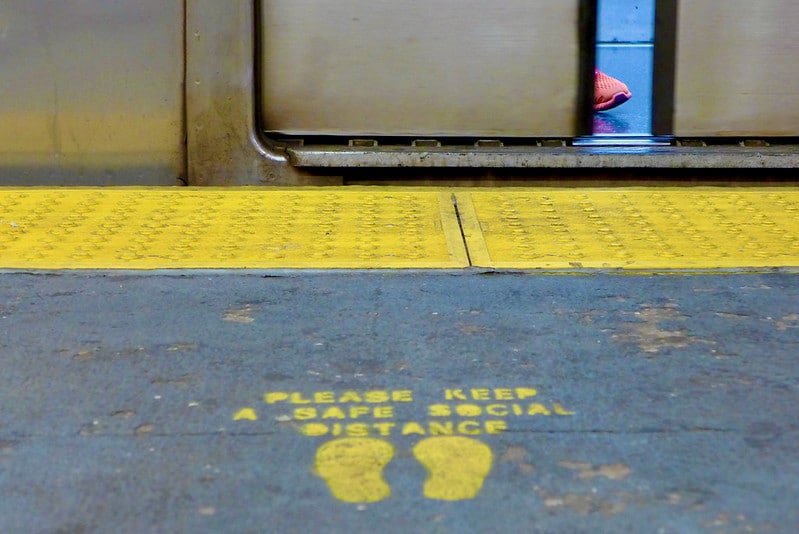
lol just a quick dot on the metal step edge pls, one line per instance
(609, 157)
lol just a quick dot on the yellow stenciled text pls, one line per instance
(378, 396)
(429, 428)
(496, 410)
(343, 412)
(487, 394)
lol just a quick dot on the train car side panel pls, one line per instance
(736, 69)
(92, 92)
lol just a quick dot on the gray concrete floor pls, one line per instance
(677, 399)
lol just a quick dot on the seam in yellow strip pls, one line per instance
(472, 232)
(452, 229)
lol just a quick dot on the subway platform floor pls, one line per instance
(514, 360)
(427, 401)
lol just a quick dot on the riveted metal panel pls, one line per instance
(91, 91)
(446, 67)
(736, 68)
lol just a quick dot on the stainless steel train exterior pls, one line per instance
(205, 92)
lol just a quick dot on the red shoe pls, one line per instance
(609, 92)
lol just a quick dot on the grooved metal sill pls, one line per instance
(609, 157)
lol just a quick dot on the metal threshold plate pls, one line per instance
(602, 154)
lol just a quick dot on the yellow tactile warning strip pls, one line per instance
(363, 227)
(646, 228)
(166, 228)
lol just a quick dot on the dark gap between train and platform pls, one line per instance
(570, 177)
(454, 200)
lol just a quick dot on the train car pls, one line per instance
(268, 92)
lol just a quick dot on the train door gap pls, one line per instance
(625, 50)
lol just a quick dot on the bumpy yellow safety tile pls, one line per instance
(169, 228)
(632, 228)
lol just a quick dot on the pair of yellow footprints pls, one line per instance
(353, 467)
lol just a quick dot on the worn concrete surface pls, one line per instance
(663, 403)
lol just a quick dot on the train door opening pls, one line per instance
(454, 72)
(625, 39)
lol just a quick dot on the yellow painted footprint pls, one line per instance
(353, 468)
(457, 466)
